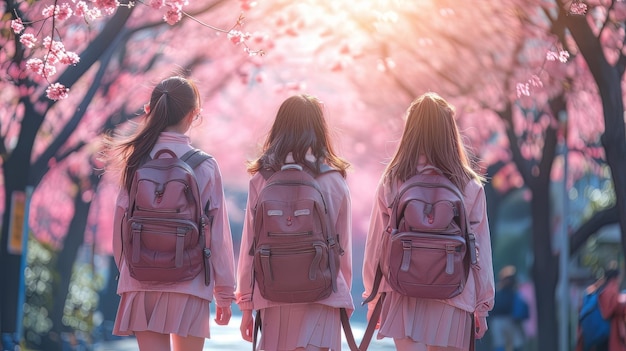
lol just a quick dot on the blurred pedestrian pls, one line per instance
(611, 305)
(507, 332)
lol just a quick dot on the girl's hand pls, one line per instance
(247, 325)
(222, 315)
(481, 326)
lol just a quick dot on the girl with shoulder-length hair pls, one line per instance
(298, 135)
(171, 315)
(431, 142)
(299, 129)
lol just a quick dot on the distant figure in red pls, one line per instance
(612, 306)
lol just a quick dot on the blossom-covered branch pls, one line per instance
(54, 52)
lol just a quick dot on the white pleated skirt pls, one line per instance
(425, 321)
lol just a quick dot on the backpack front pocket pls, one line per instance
(293, 273)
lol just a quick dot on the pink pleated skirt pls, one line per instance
(162, 312)
(298, 325)
(429, 322)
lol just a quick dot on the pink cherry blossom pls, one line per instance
(63, 12)
(247, 5)
(172, 16)
(48, 71)
(70, 58)
(108, 6)
(57, 91)
(561, 56)
(535, 81)
(81, 9)
(28, 40)
(578, 8)
(35, 65)
(237, 37)
(523, 89)
(93, 14)
(157, 4)
(49, 11)
(17, 25)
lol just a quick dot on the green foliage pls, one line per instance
(39, 279)
(82, 299)
(593, 193)
(40, 276)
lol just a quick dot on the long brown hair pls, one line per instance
(170, 102)
(299, 126)
(431, 133)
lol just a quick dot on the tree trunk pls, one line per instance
(65, 262)
(15, 171)
(16, 168)
(545, 269)
(608, 79)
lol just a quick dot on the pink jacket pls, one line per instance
(222, 257)
(337, 196)
(478, 294)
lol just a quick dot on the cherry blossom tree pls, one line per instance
(501, 63)
(513, 70)
(47, 117)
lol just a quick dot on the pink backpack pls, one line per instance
(427, 250)
(296, 254)
(165, 226)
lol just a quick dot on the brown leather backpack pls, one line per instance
(427, 250)
(296, 255)
(165, 226)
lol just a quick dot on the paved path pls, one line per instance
(229, 338)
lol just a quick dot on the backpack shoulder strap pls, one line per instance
(324, 168)
(267, 172)
(195, 157)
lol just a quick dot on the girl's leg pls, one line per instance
(151, 341)
(407, 344)
(311, 348)
(187, 343)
